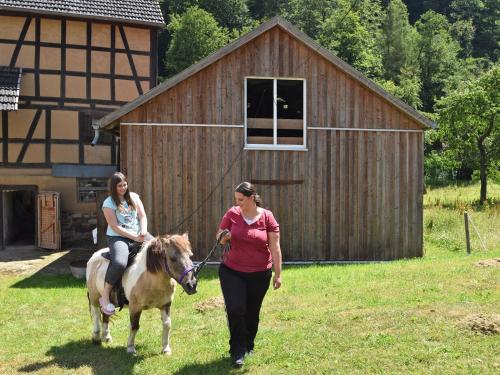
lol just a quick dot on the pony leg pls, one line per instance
(135, 316)
(96, 320)
(167, 325)
(106, 334)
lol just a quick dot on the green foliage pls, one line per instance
(308, 15)
(437, 56)
(398, 41)
(408, 89)
(344, 34)
(264, 9)
(482, 15)
(469, 123)
(195, 35)
(232, 14)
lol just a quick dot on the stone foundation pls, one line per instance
(77, 229)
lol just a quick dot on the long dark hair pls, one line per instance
(248, 190)
(114, 180)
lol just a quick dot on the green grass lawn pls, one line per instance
(407, 316)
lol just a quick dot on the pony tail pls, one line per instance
(258, 200)
(155, 257)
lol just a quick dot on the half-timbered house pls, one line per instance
(63, 64)
(337, 159)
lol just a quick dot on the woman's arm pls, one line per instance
(143, 220)
(274, 246)
(110, 216)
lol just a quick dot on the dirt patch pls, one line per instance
(495, 262)
(210, 304)
(483, 323)
(28, 260)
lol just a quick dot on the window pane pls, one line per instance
(88, 188)
(259, 111)
(290, 103)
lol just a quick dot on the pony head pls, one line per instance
(172, 254)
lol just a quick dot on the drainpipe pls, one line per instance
(97, 132)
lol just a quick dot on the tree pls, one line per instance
(262, 9)
(232, 14)
(437, 56)
(308, 15)
(407, 89)
(482, 17)
(470, 126)
(344, 34)
(398, 41)
(419, 7)
(195, 35)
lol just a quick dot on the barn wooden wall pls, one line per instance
(354, 195)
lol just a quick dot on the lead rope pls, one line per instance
(216, 246)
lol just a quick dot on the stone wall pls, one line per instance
(77, 229)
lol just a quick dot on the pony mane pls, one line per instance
(156, 257)
(181, 242)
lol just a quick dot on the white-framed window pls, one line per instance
(275, 113)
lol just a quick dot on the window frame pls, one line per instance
(275, 145)
(80, 189)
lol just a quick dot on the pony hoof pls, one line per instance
(96, 341)
(108, 339)
(131, 350)
(167, 351)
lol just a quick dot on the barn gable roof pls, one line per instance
(145, 12)
(111, 120)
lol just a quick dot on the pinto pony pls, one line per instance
(148, 283)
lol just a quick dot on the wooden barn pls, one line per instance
(62, 64)
(335, 157)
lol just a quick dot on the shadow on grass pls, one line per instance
(49, 281)
(216, 367)
(83, 353)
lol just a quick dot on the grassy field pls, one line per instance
(409, 316)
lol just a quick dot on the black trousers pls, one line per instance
(243, 295)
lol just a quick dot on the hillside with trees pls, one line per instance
(439, 56)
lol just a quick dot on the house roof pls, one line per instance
(146, 12)
(10, 82)
(111, 120)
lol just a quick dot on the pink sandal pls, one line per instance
(109, 309)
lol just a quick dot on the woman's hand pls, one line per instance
(276, 281)
(226, 237)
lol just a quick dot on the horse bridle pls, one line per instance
(196, 269)
(183, 274)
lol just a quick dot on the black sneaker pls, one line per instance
(238, 360)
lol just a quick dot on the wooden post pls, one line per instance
(467, 236)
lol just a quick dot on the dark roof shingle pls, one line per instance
(145, 12)
(10, 84)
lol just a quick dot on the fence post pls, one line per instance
(467, 236)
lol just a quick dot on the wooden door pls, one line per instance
(49, 220)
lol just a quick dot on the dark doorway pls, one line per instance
(17, 216)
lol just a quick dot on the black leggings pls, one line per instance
(119, 251)
(243, 295)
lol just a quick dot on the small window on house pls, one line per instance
(89, 187)
(275, 113)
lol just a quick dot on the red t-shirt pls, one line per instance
(249, 245)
